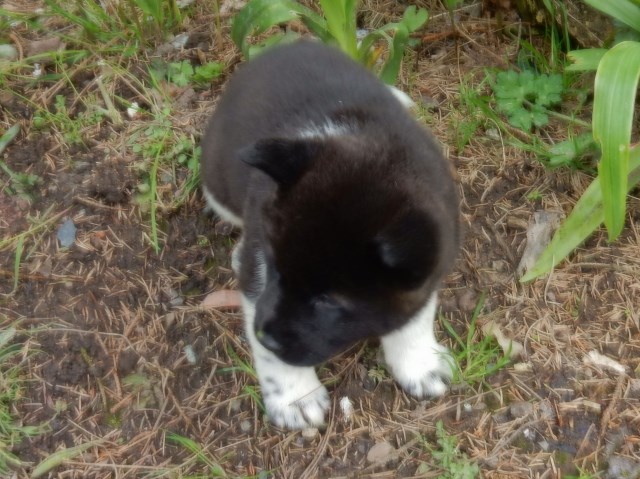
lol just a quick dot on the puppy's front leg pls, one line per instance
(417, 361)
(293, 396)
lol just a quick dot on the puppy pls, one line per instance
(349, 219)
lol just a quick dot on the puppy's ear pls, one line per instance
(284, 160)
(408, 248)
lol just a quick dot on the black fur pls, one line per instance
(356, 230)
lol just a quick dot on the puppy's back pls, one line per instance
(285, 92)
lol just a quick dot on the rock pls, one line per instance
(520, 409)
(622, 467)
(8, 52)
(467, 300)
(245, 426)
(381, 452)
(541, 227)
(43, 46)
(67, 233)
(310, 433)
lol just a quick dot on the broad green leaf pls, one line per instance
(549, 89)
(585, 218)
(625, 11)
(391, 68)
(341, 23)
(397, 37)
(256, 17)
(414, 18)
(614, 100)
(8, 136)
(585, 60)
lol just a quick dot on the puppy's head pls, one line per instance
(353, 251)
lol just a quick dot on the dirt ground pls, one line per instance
(122, 353)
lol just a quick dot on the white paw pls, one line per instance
(293, 396)
(295, 404)
(421, 365)
(423, 373)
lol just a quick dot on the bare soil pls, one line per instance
(122, 352)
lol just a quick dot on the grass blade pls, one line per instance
(197, 450)
(625, 11)
(8, 136)
(614, 100)
(16, 262)
(585, 60)
(389, 73)
(58, 457)
(586, 216)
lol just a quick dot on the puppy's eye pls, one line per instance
(326, 301)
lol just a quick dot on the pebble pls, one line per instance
(67, 233)
(520, 409)
(634, 388)
(380, 452)
(467, 300)
(8, 52)
(310, 433)
(235, 405)
(245, 426)
(622, 467)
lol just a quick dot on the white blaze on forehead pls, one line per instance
(324, 130)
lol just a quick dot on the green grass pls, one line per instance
(12, 431)
(475, 359)
(198, 456)
(447, 457)
(142, 21)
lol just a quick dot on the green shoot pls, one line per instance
(453, 463)
(474, 360)
(11, 432)
(199, 454)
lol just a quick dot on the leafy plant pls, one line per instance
(615, 88)
(526, 97)
(141, 20)
(475, 360)
(12, 432)
(337, 26)
(20, 183)
(161, 147)
(183, 73)
(455, 464)
(71, 128)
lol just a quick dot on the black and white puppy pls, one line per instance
(349, 217)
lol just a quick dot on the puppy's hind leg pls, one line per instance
(293, 396)
(421, 365)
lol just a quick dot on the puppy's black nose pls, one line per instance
(268, 341)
